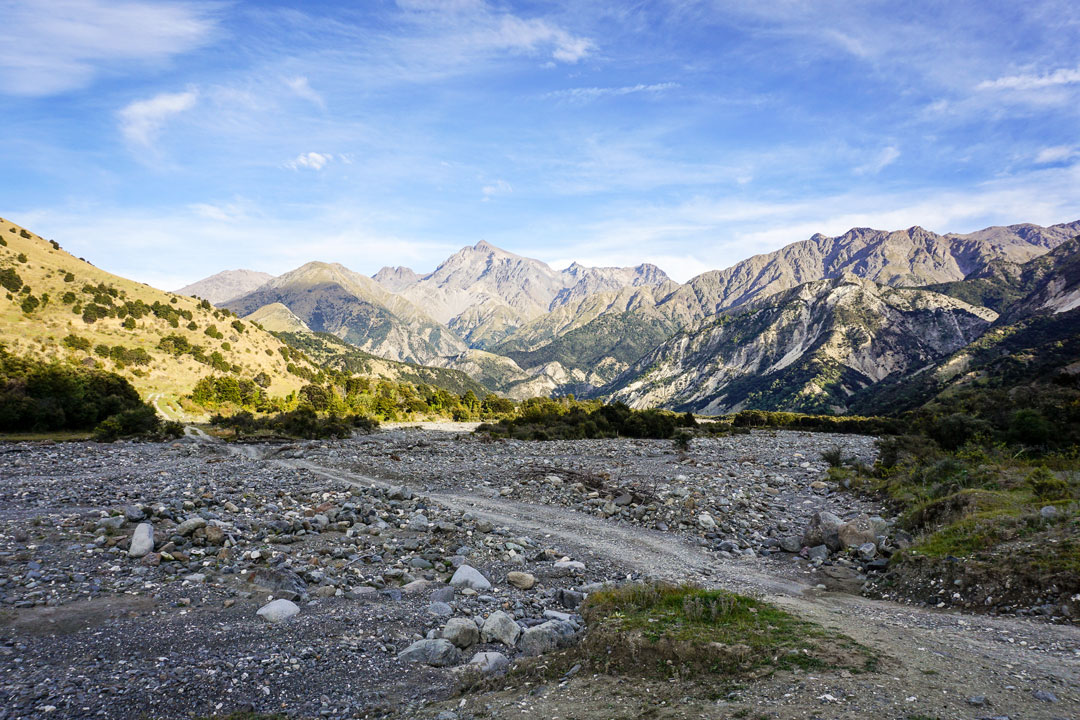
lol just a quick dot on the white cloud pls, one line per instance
(457, 29)
(499, 187)
(882, 160)
(591, 93)
(59, 45)
(1056, 154)
(142, 120)
(310, 161)
(512, 32)
(1063, 76)
(303, 89)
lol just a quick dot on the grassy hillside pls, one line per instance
(625, 337)
(54, 306)
(333, 352)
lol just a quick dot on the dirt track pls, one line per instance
(934, 663)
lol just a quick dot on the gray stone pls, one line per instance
(467, 576)
(437, 653)
(282, 582)
(867, 551)
(569, 599)
(823, 529)
(133, 513)
(491, 663)
(1044, 696)
(278, 610)
(1049, 512)
(500, 627)
(190, 525)
(818, 552)
(112, 523)
(443, 594)
(705, 521)
(142, 541)
(440, 609)
(546, 637)
(791, 544)
(418, 523)
(462, 632)
(521, 580)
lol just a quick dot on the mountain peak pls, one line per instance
(226, 285)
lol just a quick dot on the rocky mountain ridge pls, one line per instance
(528, 329)
(226, 285)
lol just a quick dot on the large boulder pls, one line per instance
(462, 632)
(437, 653)
(521, 580)
(855, 533)
(467, 576)
(490, 663)
(823, 529)
(278, 610)
(546, 637)
(281, 582)
(142, 541)
(500, 627)
(190, 525)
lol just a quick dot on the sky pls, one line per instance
(168, 140)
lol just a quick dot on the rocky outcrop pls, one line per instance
(809, 348)
(226, 285)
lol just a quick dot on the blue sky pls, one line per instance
(165, 141)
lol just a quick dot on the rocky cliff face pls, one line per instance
(808, 348)
(396, 279)
(331, 298)
(486, 294)
(911, 257)
(226, 285)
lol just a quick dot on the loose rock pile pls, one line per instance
(201, 581)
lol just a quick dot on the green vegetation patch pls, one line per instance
(686, 631)
(569, 419)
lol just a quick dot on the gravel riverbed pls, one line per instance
(131, 574)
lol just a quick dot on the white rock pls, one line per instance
(278, 610)
(469, 577)
(142, 541)
(491, 663)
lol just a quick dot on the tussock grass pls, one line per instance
(686, 630)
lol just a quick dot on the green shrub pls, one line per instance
(129, 323)
(953, 431)
(29, 304)
(36, 396)
(1048, 486)
(141, 420)
(10, 279)
(77, 343)
(1030, 427)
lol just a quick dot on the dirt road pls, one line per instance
(933, 663)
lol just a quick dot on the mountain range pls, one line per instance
(866, 320)
(521, 328)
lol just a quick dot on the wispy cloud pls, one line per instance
(1056, 154)
(1063, 76)
(142, 121)
(458, 30)
(310, 161)
(882, 160)
(499, 187)
(64, 44)
(302, 88)
(593, 93)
